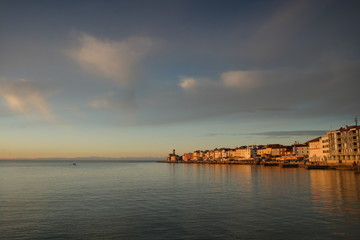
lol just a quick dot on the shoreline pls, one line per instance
(274, 164)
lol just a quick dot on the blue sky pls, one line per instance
(139, 78)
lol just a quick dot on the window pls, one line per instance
(339, 145)
(355, 149)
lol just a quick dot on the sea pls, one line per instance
(143, 199)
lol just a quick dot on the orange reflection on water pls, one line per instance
(335, 190)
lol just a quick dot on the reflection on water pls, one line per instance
(336, 194)
(145, 200)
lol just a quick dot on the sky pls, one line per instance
(125, 79)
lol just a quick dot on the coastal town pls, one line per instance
(336, 148)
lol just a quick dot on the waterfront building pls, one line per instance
(325, 147)
(246, 152)
(278, 151)
(344, 145)
(173, 156)
(264, 151)
(272, 150)
(301, 150)
(207, 154)
(335, 147)
(225, 153)
(238, 152)
(315, 149)
(217, 154)
(260, 150)
(198, 155)
(187, 156)
(212, 154)
(289, 151)
(232, 153)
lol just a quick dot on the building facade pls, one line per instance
(344, 144)
(301, 150)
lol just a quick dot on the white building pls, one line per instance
(245, 152)
(319, 149)
(344, 145)
(301, 150)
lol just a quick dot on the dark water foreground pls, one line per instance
(148, 200)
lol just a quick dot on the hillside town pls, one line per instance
(336, 147)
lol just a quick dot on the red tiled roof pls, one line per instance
(348, 128)
(314, 140)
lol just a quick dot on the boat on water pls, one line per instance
(318, 167)
(74, 163)
(270, 164)
(289, 165)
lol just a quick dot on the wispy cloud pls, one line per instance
(116, 60)
(111, 101)
(189, 82)
(274, 134)
(241, 79)
(275, 36)
(301, 133)
(301, 92)
(26, 98)
(231, 79)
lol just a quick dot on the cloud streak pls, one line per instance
(242, 80)
(116, 60)
(111, 101)
(23, 97)
(303, 91)
(300, 133)
(276, 37)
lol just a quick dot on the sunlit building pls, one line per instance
(315, 149)
(245, 152)
(198, 155)
(173, 157)
(187, 156)
(344, 145)
(272, 150)
(301, 150)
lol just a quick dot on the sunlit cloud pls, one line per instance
(288, 92)
(23, 97)
(187, 82)
(240, 79)
(115, 60)
(118, 61)
(230, 79)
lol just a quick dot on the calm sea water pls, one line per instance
(148, 200)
